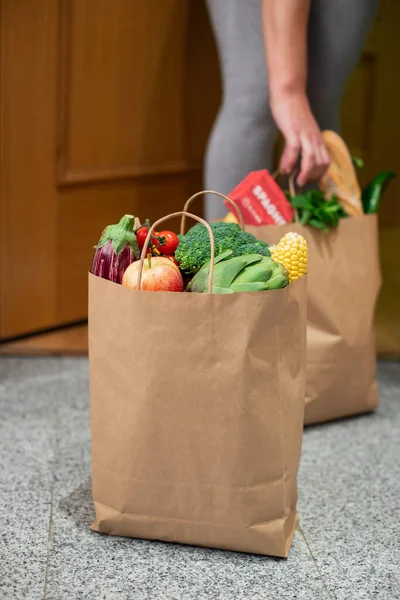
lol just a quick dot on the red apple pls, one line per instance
(165, 260)
(159, 275)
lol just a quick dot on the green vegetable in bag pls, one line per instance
(315, 211)
(372, 193)
(247, 273)
(194, 248)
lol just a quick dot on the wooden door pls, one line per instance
(371, 126)
(103, 112)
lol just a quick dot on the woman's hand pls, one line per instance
(302, 136)
(285, 30)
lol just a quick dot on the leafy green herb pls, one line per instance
(315, 211)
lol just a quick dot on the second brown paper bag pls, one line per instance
(343, 283)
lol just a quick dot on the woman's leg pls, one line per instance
(337, 33)
(243, 136)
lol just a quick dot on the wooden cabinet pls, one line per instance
(101, 114)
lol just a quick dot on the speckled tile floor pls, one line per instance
(346, 548)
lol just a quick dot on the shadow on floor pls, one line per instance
(79, 505)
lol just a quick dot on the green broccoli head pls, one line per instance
(194, 248)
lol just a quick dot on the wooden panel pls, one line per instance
(28, 211)
(359, 108)
(387, 312)
(371, 117)
(82, 217)
(121, 89)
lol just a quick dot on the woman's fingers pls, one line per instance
(314, 159)
(326, 161)
(307, 169)
(308, 160)
(290, 155)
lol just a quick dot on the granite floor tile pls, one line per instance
(112, 568)
(16, 371)
(31, 431)
(27, 436)
(350, 498)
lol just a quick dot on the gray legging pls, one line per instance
(244, 134)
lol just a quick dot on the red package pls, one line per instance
(261, 201)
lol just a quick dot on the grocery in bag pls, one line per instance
(197, 391)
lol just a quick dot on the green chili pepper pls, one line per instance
(372, 193)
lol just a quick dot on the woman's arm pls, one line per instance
(285, 31)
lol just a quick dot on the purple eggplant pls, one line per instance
(116, 250)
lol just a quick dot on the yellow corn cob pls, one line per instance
(292, 252)
(230, 218)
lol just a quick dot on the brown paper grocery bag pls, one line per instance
(197, 406)
(343, 283)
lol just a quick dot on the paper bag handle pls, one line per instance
(171, 216)
(292, 189)
(292, 175)
(231, 202)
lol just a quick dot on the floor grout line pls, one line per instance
(315, 563)
(56, 462)
(49, 539)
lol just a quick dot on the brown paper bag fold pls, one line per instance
(343, 284)
(197, 406)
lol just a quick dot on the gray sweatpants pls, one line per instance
(244, 134)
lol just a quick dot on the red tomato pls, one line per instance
(141, 235)
(171, 242)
